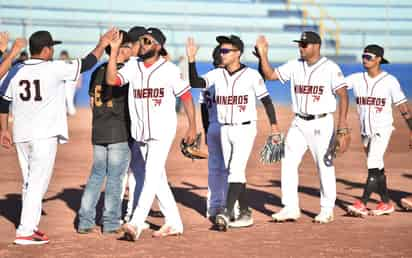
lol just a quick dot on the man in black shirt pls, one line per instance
(111, 152)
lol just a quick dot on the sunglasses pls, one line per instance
(147, 41)
(225, 51)
(303, 44)
(126, 46)
(368, 56)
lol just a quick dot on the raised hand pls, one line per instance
(262, 45)
(116, 40)
(18, 45)
(4, 40)
(191, 49)
(108, 37)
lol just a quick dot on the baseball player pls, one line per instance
(70, 87)
(154, 84)
(314, 81)
(111, 152)
(236, 89)
(35, 90)
(217, 175)
(376, 91)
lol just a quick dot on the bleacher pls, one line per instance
(79, 23)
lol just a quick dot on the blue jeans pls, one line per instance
(111, 161)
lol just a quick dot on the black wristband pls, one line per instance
(270, 109)
(4, 106)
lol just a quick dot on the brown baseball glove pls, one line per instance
(192, 151)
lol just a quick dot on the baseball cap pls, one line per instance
(135, 33)
(309, 37)
(376, 50)
(158, 35)
(125, 39)
(232, 39)
(41, 39)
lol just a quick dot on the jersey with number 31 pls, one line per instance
(36, 90)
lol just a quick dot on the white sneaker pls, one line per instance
(286, 214)
(324, 217)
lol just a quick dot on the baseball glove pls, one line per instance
(338, 143)
(192, 151)
(273, 150)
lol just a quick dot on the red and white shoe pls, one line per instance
(407, 203)
(383, 209)
(34, 239)
(41, 234)
(358, 209)
(165, 231)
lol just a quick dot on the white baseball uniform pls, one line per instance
(313, 90)
(152, 98)
(236, 112)
(36, 90)
(374, 100)
(217, 174)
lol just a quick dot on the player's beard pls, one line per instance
(148, 54)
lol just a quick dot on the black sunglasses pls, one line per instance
(227, 50)
(368, 56)
(147, 41)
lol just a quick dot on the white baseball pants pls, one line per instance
(152, 164)
(315, 135)
(376, 147)
(36, 160)
(237, 144)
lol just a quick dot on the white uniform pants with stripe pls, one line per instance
(316, 135)
(217, 177)
(152, 163)
(376, 147)
(237, 144)
(36, 160)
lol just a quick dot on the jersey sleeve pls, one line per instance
(259, 86)
(125, 74)
(337, 79)
(350, 81)
(211, 77)
(397, 95)
(179, 85)
(284, 72)
(67, 70)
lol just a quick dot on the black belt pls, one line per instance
(243, 123)
(311, 117)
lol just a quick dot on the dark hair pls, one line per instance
(36, 50)
(64, 52)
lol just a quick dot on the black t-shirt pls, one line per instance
(111, 121)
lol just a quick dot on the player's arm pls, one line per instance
(407, 115)
(205, 117)
(271, 113)
(112, 77)
(8, 58)
(343, 127)
(262, 47)
(191, 50)
(5, 137)
(91, 59)
(189, 108)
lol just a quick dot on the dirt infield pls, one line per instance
(388, 236)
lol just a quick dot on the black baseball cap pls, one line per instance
(40, 39)
(125, 40)
(158, 35)
(376, 50)
(135, 33)
(232, 39)
(309, 37)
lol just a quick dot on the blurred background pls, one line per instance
(346, 27)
